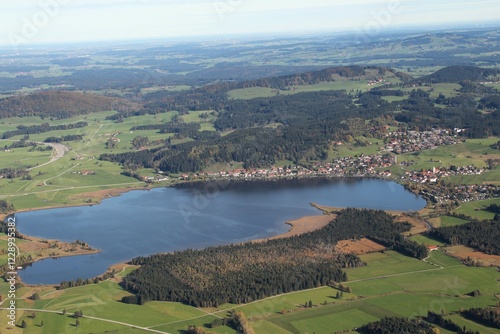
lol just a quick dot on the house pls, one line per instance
(432, 248)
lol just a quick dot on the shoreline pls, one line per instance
(102, 194)
(301, 226)
(113, 192)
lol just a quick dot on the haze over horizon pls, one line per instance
(34, 22)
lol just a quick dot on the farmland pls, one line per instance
(383, 288)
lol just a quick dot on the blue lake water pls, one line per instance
(141, 223)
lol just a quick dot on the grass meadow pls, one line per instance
(477, 210)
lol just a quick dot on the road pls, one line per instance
(59, 151)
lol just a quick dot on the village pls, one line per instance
(376, 165)
(460, 194)
(414, 141)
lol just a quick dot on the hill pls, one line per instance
(454, 74)
(60, 104)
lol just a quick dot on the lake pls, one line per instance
(140, 223)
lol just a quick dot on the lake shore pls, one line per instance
(302, 225)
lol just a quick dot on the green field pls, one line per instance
(477, 209)
(349, 149)
(451, 221)
(473, 152)
(22, 157)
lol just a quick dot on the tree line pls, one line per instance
(489, 316)
(24, 130)
(63, 138)
(398, 325)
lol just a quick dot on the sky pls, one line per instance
(32, 22)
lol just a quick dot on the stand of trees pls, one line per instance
(441, 321)
(63, 138)
(6, 207)
(398, 325)
(486, 316)
(80, 282)
(12, 173)
(495, 208)
(45, 127)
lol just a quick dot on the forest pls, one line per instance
(481, 235)
(59, 104)
(243, 273)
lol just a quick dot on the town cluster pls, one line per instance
(463, 193)
(435, 174)
(414, 141)
(364, 165)
(376, 165)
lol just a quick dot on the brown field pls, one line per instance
(463, 252)
(419, 225)
(97, 196)
(359, 247)
(40, 249)
(303, 225)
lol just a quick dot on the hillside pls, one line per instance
(453, 74)
(60, 104)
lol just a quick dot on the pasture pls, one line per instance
(477, 209)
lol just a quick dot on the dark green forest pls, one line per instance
(481, 235)
(60, 104)
(397, 325)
